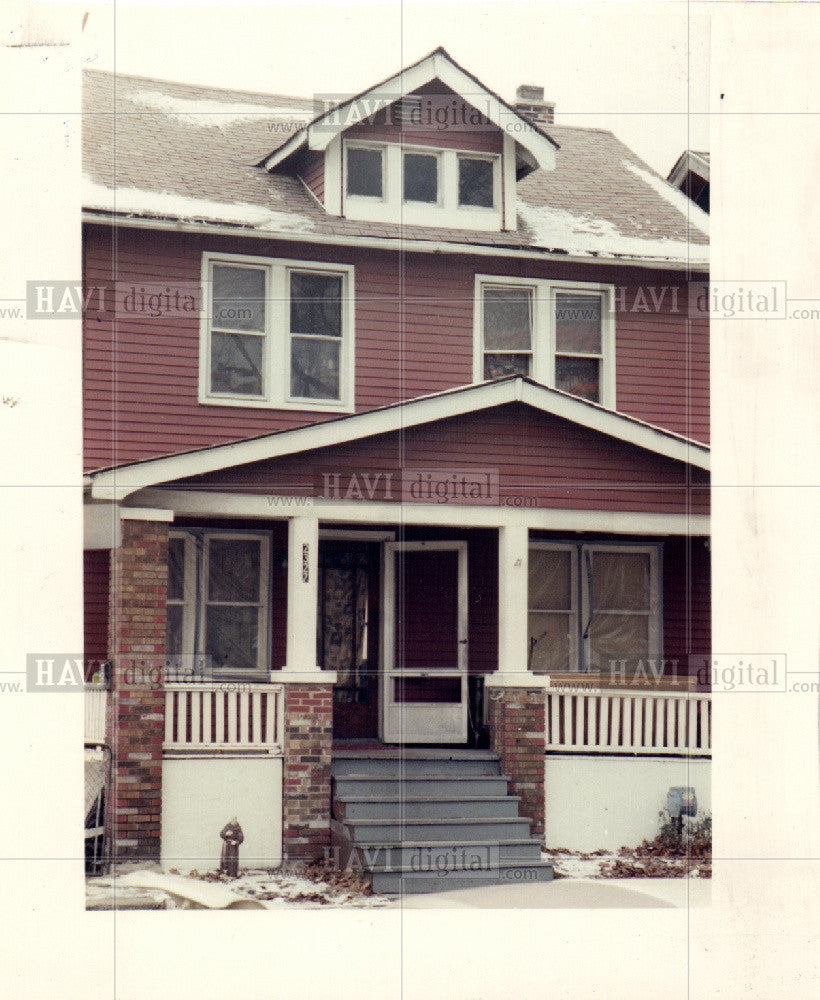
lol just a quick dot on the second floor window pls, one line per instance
(560, 334)
(276, 333)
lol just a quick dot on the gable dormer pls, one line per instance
(431, 146)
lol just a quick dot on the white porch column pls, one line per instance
(303, 593)
(513, 641)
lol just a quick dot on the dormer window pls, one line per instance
(365, 171)
(420, 185)
(476, 181)
(421, 182)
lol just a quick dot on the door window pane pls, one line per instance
(475, 182)
(364, 172)
(420, 177)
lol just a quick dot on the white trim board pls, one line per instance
(204, 503)
(120, 482)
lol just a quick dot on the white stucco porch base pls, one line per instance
(200, 795)
(596, 801)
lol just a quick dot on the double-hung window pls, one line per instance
(593, 606)
(559, 333)
(276, 333)
(218, 600)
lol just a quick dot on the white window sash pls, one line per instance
(581, 606)
(544, 352)
(196, 601)
(276, 376)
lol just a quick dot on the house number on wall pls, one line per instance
(305, 563)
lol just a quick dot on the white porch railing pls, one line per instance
(96, 701)
(224, 716)
(633, 722)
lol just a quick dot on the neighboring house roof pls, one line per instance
(690, 161)
(186, 156)
(119, 482)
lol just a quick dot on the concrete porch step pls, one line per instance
(415, 763)
(439, 855)
(468, 829)
(406, 880)
(425, 806)
(437, 786)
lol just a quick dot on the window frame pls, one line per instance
(276, 377)
(408, 150)
(196, 541)
(575, 607)
(581, 598)
(373, 147)
(493, 158)
(446, 212)
(545, 292)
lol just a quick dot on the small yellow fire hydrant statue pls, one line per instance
(232, 837)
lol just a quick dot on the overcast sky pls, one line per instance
(639, 69)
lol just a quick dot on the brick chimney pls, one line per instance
(529, 102)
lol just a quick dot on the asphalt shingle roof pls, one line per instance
(170, 150)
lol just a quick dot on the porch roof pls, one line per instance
(120, 481)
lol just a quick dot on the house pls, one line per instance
(396, 443)
(690, 174)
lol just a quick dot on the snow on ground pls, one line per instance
(135, 201)
(576, 864)
(557, 229)
(275, 890)
(205, 113)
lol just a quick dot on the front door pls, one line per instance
(424, 686)
(348, 630)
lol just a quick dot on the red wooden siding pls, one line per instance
(686, 602)
(311, 169)
(96, 576)
(414, 335)
(540, 461)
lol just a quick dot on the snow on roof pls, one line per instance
(159, 149)
(208, 113)
(168, 205)
(673, 195)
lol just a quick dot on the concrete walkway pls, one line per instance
(571, 893)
